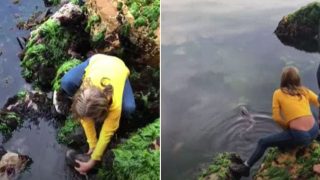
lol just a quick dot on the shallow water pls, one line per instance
(36, 139)
(218, 57)
(10, 79)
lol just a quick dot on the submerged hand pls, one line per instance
(84, 167)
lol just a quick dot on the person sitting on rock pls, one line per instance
(101, 93)
(291, 110)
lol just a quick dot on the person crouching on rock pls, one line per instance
(104, 93)
(291, 110)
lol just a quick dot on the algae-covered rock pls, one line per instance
(294, 164)
(130, 28)
(49, 45)
(30, 105)
(12, 164)
(134, 159)
(301, 28)
(219, 168)
(146, 84)
(9, 121)
(65, 67)
(24, 105)
(71, 133)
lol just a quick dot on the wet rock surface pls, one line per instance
(121, 33)
(12, 164)
(78, 32)
(294, 164)
(219, 168)
(300, 29)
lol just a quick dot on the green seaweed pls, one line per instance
(145, 12)
(307, 163)
(91, 21)
(119, 6)
(7, 118)
(125, 29)
(53, 2)
(63, 133)
(133, 159)
(76, 2)
(98, 38)
(219, 166)
(300, 166)
(277, 173)
(22, 94)
(308, 15)
(65, 67)
(47, 47)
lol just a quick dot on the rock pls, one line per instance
(219, 168)
(300, 29)
(294, 164)
(123, 36)
(68, 15)
(30, 105)
(72, 155)
(49, 44)
(12, 164)
(15, 1)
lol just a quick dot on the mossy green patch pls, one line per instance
(65, 67)
(63, 133)
(277, 173)
(47, 47)
(22, 94)
(219, 166)
(134, 159)
(9, 121)
(125, 29)
(294, 164)
(91, 21)
(119, 6)
(53, 2)
(308, 15)
(98, 39)
(145, 12)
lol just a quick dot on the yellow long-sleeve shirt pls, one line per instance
(114, 72)
(286, 108)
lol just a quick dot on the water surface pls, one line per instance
(218, 57)
(36, 139)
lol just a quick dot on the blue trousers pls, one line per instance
(284, 140)
(72, 80)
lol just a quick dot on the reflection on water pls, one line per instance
(37, 140)
(10, 79)
(216, 57)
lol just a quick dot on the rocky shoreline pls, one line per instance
(72, 34)
(300, 29)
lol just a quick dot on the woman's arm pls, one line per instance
(313, 98)
(276, 115)
(90, 131)
(109, 127)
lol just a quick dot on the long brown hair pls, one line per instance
(291, 82)
(92, 102)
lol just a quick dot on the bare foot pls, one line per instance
(316, 168)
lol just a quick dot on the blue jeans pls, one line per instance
(72, 80)
(284, 140)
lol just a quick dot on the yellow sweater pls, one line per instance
(286, 108)
(114, 72)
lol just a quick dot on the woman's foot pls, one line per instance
(240, 169)
(316, 168)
